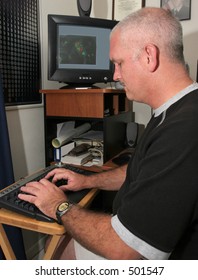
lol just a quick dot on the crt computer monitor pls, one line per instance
(78, 50)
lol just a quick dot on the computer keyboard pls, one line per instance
(9, 196)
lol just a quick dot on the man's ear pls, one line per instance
(151, 57)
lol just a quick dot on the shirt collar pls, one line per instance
(175, 98)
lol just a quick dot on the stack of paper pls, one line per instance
(78, 160)
(92, 137)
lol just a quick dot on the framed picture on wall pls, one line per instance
(122, 8)
(180, 8)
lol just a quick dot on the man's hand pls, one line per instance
(45, 195)
(75, 181)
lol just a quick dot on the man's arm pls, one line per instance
(92, 230)
(95, 232)
(107, 180)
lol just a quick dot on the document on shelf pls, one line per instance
(77, 160)
(92, 137)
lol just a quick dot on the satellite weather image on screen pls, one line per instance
(76, 49)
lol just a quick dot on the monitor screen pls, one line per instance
(79, 50)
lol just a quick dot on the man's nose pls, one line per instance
(116, 75)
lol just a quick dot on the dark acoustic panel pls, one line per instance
(19, 51)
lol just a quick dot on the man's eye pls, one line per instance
(118, 64)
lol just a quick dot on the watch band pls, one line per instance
(62, 208)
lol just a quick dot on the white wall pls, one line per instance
(26, 123)
(26, 131)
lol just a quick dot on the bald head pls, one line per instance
(147, 50)
(156, 26)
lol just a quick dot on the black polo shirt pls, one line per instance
(156, 209)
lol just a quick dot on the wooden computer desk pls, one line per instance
(55, 230)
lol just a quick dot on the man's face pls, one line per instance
(127, 66)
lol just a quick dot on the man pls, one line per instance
(155, 211)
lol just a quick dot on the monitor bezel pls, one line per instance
(74, 76)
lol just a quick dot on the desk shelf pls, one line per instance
(106, 110)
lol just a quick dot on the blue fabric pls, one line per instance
(6, 178)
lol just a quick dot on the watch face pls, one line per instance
(63, 206)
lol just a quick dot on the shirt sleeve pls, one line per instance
(145, 249)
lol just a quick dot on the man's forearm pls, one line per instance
(107, 180)
(94, 232)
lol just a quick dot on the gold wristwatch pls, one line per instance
(62, 209)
